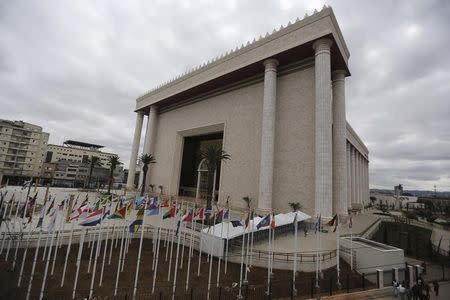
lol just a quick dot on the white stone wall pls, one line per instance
(240, 111)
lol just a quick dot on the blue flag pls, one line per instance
(236, 223)
(264, 222)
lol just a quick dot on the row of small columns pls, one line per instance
(358, 174)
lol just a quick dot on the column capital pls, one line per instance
(322, 45)
(271, 64)
(153, 109)
(338, 75)
(140, 113)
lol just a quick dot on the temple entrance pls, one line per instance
(193, 146)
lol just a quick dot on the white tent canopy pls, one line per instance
(226, 230)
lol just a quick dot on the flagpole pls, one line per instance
(317, 230)
(269, 262)
(80, 252)
(91, 243)
(220, 256)
(248, 247)
(190, 249)
(200, 248)
(226, 247)
(184, 241)
(99, 241)
(158, 234)
(67, 254)
(21, 230)
(211, 249)
(172, 241)
(14, 227)
(242, 263)
(120, 258)
(337, 251)
(47, 262)
(113, 238)
(61, 222)
(4, 232)
(294, 272)
(24, 257)
(252, 237)
(174, 286)
(139, 252)
(157, 253)
(34, 265)
(351, 244)
(104, 255)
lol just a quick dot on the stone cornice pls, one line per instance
(356, 141)
(285, 38)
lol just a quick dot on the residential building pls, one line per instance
(22, 150)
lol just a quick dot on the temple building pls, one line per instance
(277, 106)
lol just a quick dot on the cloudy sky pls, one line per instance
(76, 68)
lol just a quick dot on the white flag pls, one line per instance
(52, 221)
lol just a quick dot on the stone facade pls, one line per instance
(280, 103)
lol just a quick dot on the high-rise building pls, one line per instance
(22, 149)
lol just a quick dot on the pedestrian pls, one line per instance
(436, 288)
(415, 292)
(395, 285)
(402, 291)
(427, 290)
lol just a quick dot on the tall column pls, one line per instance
(353, 175)
(349, 178)
(358, 178)
(323, 129)
(135, 149)
(339, 144)
(149, 140)
(268, 135)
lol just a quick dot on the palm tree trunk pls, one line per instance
(144, 178)
(110, 180)
(90, 176)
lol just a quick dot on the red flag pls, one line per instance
(272, 224)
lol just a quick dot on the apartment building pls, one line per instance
(22, 149)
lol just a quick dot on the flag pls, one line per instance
(200, 215)
(246, 220)
(119, 214)
(136, 224)
(178, 227)
(140, 202)
(51, 206)
(236, 223)
(208, 213)
(272, 224)
(188, 216)
(171, 213)
(336, 223)
(93, 218)
(331, 222)
(69, 208)
(152, 201)
(219, 216)
(26, 184)
(152, 210)
(350, 221)
(317, 224)
(226, 215)
(96, 205)
(41, 218)
(264, 222)
(165, 203)
(130, 206)
(52, 221)
(105, 200)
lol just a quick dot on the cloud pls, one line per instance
(77, 67)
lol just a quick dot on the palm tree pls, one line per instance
(145, 160)
(114, 161)
(295, 206)
(248, 201)
(93, 162)
(213, 156)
